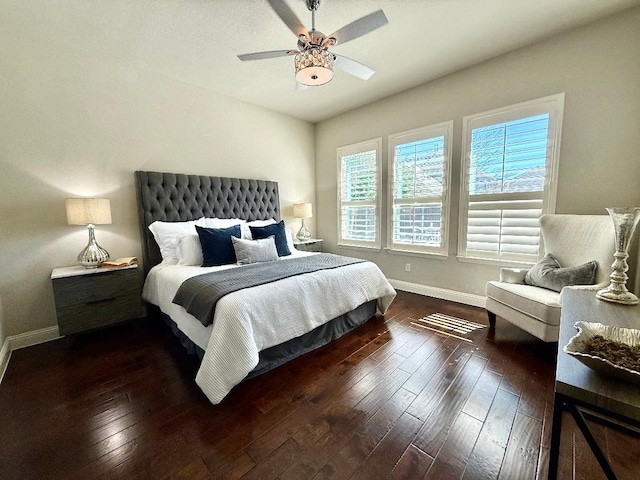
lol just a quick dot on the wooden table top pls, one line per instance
(580, 382)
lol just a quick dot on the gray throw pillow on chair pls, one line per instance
(548, 273)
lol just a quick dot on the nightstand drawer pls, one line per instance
(98, 313)
(85, 289)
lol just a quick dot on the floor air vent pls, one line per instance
(448, 325)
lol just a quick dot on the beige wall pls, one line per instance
(74, 124)
(597, 66)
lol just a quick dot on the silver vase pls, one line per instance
(625, 221)
(93, 254)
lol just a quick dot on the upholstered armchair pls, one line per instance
(573, 240)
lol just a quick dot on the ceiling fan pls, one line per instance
(313, 61)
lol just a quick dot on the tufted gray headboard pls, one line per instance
(174, 197)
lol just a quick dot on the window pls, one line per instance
(509, 176)
(358, 194)
(419, 169)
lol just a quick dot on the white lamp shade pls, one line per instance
(85, 211)
(302, 210)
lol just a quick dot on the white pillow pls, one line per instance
(189, 250)
(221, 222)
(254, 251)
(166, 235)
(246, 231)
(289, 233)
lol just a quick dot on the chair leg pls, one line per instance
(492, 319)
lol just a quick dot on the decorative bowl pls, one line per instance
(587, 330)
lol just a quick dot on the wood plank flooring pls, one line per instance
(389, 400)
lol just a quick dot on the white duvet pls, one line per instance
(253, 319)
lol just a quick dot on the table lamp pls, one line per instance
(90, 212)
(302, 210)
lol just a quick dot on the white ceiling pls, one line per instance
(197, 41)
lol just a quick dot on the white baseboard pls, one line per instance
(437, 292)
(5, 355)
(23, 340)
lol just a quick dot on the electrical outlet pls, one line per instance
(407, 267)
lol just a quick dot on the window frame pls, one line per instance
(552, 105)
(427, 132)
(351, 149)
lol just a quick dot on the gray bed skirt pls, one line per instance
(279, 354)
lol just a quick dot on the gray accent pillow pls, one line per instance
(253, 251)
(548, 273)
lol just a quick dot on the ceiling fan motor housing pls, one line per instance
(315, 37)
(313, 5)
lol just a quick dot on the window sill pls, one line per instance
(495, 261)
(413, 253)
(359, 247)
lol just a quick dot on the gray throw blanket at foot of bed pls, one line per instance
(199, 295)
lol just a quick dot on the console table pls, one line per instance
(579, 389)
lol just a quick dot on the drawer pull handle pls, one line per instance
(103, 300)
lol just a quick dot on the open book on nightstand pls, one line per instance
(120, 262)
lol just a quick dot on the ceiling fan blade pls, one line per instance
(263, 55)
(354, 68)
(360, 27)
(288, 17)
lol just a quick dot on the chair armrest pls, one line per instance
(513, 275)
(593, 288)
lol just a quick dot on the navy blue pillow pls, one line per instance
(217, 248)
(277, 230)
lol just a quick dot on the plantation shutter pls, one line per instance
(358, 195)
(507, 184)
(504, 229)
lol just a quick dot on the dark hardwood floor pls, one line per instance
(389, 400)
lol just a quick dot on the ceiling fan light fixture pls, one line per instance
(314, 66)
(313, 62)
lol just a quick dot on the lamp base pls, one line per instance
(303, 234)
(93, 254)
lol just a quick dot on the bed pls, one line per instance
(255, 328)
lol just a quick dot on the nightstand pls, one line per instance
(311, 245)
(88, 298)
